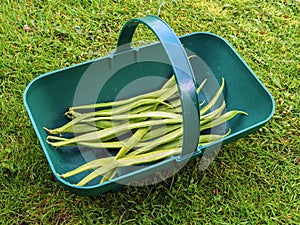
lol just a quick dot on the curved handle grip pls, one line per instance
(182, 71)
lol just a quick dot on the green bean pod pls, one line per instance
(130, 161)
(98, 135)
(221, 119)
(213, 100)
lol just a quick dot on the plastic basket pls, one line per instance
(48, 96)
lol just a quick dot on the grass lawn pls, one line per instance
(255, 180)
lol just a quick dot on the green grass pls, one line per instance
(255, 180)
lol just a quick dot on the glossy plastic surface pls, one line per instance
(182, 70)
(48, 96)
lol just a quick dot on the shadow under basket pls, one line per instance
(143, 69)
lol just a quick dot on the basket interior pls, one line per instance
(48, 97)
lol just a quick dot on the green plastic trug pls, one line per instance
(47, 97)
